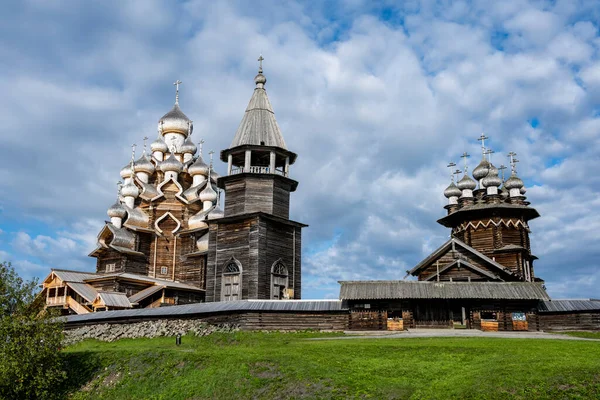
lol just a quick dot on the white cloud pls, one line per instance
(374, 109)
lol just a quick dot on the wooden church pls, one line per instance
(169, 242)
(482, 277)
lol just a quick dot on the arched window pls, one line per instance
(231, 281)
(279, 281)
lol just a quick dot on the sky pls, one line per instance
(374, 97)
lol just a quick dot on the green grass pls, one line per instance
(285, 366)
(583, 334)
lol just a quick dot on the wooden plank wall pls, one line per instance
(570, 321)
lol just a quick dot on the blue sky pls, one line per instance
(375, 97)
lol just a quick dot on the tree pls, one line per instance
(30, 341)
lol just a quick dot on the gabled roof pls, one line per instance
(71, 276)
(141, 295)
(459, 263)
(374, 290)
(113, 299)
(549, 306)
(258, 126)
(144, 279)
(448, 246)
(86, 291)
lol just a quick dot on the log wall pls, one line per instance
(575, 321)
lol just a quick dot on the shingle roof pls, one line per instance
(258, 126)
(371, 290)
(84, 290)
(73, 276)
(549, 306)
(141, 295)
(446, 247)
(147, 279)
(212, 308)
(114, 299)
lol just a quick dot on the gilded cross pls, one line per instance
(177, 83)
(260, 60)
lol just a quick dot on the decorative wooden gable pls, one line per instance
(456, 261)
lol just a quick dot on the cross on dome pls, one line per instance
(482, 139)
(200, 145)
(502, 167)
(489, 153)
(451, 165)
(513, 167)
(145, 139)
(211, 157)
(464, 156)
(177, 83)
(260, 60)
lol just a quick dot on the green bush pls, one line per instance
(30, 340)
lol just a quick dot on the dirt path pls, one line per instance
(427, 333)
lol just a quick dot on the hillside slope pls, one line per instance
(290, 366)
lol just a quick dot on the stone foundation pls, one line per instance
(144, 329)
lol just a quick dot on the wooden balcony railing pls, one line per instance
(257, 170)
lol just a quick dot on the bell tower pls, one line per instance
(255, 249)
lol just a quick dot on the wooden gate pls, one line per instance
(362, 320)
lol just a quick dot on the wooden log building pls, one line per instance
(481, 278)
(168, 241)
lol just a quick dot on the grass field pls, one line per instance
(287, 366)
(583, 334)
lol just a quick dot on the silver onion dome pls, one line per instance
(514, 182)
(143, 164)
(130, 190)
(216, 213)
(159, 145)
(176, 121)
(523, 190)
(214, 175)
(492, 178)
(452, 191)
(466, 183)
(126, 171)
(171, 164)
(199, 167)
(208, 194)
(188, 146)
(116, 210)
(481, 171)
(260, 79)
